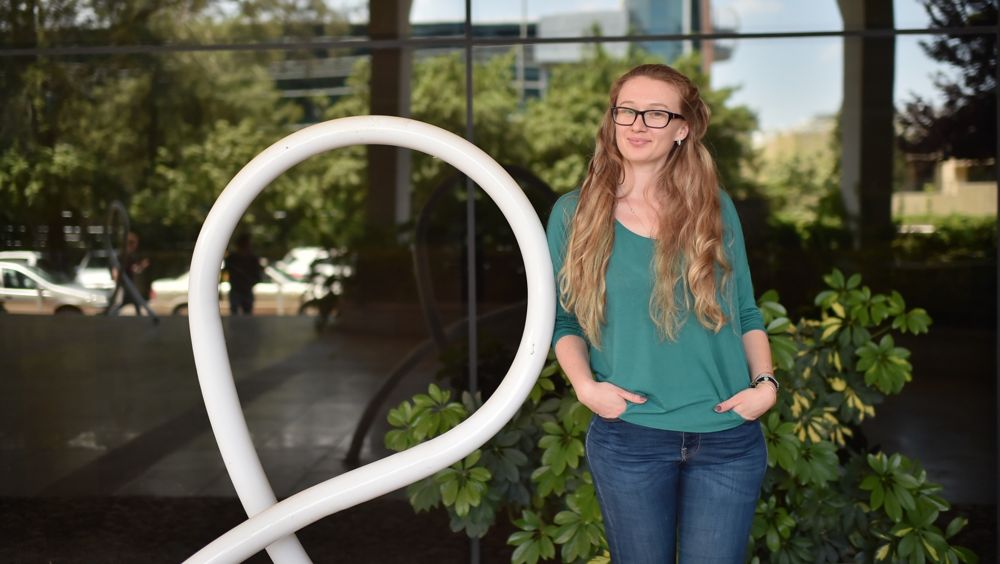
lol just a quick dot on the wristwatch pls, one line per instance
(765, 377)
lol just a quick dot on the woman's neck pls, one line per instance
(639, 182)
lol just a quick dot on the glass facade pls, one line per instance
(845, 142)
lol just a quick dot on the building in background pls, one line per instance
(304, 78)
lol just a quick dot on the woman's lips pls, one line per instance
(637, 142)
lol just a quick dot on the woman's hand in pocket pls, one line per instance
(606, 399)
(750, 403)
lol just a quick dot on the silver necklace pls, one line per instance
(637, 216)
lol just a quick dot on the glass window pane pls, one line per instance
(920, 14)
(116, 25)
(564, 18)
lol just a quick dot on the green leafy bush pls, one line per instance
(824, 499)
(954, 238)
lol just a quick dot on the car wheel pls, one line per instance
(180, 310)
(69, 310)
(310, 308)
(314, 309)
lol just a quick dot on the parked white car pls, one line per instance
(30, 258)
(31, 289)
(277, 294)
(303, 262)
(94, 271)
(297, 262)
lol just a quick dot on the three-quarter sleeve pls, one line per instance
(746, 304)
(557, 233)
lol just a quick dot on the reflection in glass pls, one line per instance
(221, 22)
(946, 116)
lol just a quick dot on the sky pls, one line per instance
(785, 81)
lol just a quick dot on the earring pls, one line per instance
(679, 142)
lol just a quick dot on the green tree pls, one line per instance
(163, 133)
(964, 126)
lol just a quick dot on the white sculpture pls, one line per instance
(272, 524)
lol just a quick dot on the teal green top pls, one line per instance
(682, 380)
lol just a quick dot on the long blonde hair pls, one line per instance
(688, 247)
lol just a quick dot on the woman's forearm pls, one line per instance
(571, 352)
(758, 352)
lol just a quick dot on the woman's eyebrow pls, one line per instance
(653, 104)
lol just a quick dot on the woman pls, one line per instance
(659, 333)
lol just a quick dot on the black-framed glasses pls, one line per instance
(656, 119)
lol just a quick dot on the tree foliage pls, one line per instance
(964, 126)
(165, 132)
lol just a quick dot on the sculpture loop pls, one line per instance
(272, 524)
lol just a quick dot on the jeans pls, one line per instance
(670, 496)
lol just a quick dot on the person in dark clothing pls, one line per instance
(134, 264)
(244, 270)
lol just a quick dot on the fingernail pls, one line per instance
(718, 409)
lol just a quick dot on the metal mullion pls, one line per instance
(470, 243)
(425, 42)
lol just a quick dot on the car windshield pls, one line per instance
(98, 261)
(51, 275)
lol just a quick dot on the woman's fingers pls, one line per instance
(631, 396)
(608, 400)
(752, 403)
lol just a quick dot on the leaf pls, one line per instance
(904, 497)
(773, 540)
(825, 298)
(965, 554)
(527, 553)
(877, 497)
(835, 279)
(831, 326)
(779, 325)
(870, 482)
(838, 310)
(907, 480)
(907, 545)
(449, 490)
(917, 321)
(892, 507)
(930, 550)
(882, 552)
(479, 474)
(956, 525)
(424, 494)
(896, 303)
(473, 458)
(520, 537)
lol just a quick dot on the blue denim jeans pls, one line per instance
(670, 496)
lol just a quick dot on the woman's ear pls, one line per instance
(682, 133)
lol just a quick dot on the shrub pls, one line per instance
(824, 498)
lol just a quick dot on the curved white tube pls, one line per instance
(273, 525)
